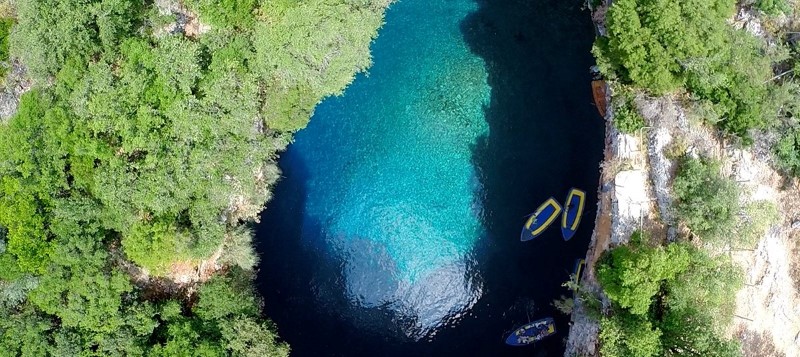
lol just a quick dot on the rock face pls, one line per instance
(635, 192)
(186, 22)
(17, 83)
(625, 204)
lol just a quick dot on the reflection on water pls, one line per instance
(438, 297)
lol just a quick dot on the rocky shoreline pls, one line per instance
(635, 193)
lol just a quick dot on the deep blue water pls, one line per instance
(395, 230)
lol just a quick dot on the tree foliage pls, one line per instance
(5, 31)
(772, 7)
(224, 321)
(627, 334)
(153, 147)
(672, 300)
(662, 45)
(705, 201)
(626, 117)
(50, 33)
(324, 45)
(632, 276)
(224, 13)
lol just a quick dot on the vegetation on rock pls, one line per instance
(705, 201)
(626, 117)
(676, 298)
(662, 46)
(666, 300)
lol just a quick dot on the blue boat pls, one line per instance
(573, 210)
(532, 332)
(538, 222)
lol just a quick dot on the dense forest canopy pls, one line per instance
(150, 137)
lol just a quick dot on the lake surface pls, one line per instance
(395, 230)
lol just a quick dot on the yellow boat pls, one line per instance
(576, 273)
(538, 222)
(573, 210)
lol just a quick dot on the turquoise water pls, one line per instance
(396, 169)
(395, 228)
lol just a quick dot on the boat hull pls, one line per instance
(538, 222)
(576, 273)
(532, 332)
(599, 90)
(573, 210)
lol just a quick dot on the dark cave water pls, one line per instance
(395, 230)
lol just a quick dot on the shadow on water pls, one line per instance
(545, 136)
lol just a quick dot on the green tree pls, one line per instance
(670, 301)
(226, 13)
(224, 321)
(662, 46)
(632, 275)
(24, 333)
(787, 151)
(772, 7)
(626, 334)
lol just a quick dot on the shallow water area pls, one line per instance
(395, 229)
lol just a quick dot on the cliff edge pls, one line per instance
(635, 193)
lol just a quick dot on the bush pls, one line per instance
(238, 249)
(787, 152)
(626, 117)
(5, 31)
(705, 201)
(754, 221)
(772, 7)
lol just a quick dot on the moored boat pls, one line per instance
(532, 332)
(576, 272)
(538, 222)
(573, 210)
(599, 89)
